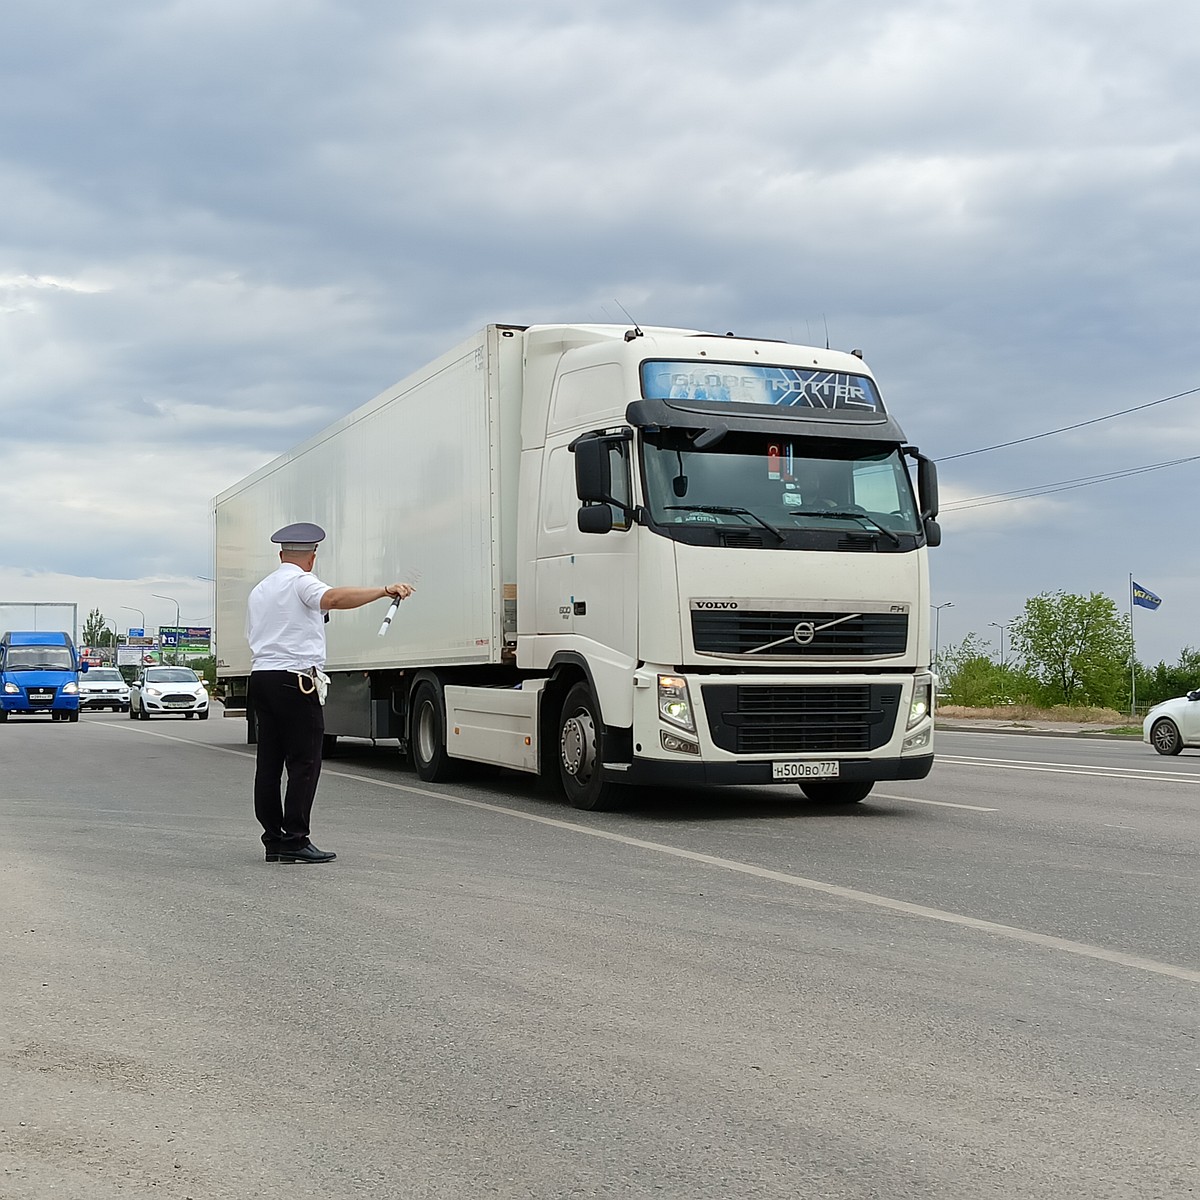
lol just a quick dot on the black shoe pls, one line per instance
(302, 854)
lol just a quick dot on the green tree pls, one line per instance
(971, 677)
(1077, 648)
(1161, 682)
(95, 630)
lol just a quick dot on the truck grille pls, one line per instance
(847, 719)
(856, 635)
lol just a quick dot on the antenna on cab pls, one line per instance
(636, 331)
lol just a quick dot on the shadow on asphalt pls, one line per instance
(675, 805)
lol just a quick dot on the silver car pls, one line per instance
(166, 691)
(103, 687)
(1173, 724)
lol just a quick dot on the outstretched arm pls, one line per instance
(356, 597)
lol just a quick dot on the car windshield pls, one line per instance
(172, 675)
(39, 658)
(788, 484)
(104, 675)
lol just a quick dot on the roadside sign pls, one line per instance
(190, 639)
(137, 633)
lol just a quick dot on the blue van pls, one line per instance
(39, 673)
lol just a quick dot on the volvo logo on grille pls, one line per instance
(804, 633)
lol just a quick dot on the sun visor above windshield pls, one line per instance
(792, 422)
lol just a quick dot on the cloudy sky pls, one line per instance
(224, 223)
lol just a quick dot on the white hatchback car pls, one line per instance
(1173, 724)
(103, 687)
(159, 691)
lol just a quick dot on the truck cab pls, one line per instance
(39, 673)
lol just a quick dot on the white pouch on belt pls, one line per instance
(314, 680)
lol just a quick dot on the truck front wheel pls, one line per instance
(581, 751)
(428, 739)
(828, 791)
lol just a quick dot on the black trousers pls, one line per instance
(291, 726)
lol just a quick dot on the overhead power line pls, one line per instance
(1033, 437)
(1063, 486)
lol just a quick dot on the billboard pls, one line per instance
(186, 639)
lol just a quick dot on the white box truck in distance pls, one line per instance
(645, 556)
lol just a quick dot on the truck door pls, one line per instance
(556, 543)
(604, 582)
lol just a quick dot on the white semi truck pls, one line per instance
(642, 556)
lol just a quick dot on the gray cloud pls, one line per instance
(223, 225)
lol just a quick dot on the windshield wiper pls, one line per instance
(729, 510)
(846, 514)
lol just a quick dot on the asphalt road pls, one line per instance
(982, 984)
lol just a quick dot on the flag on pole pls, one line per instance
(1145, 598)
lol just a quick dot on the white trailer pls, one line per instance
(641, 556)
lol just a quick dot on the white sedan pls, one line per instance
(1173, 724)
(162, 690)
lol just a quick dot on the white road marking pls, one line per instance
(1136, 773)
(1012, 932)
(938, 803)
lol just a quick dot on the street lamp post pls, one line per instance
(937, 626)
(1002, 626)
(175, 656)
(142, 627)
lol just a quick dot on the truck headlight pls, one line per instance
(11, 689)
(70, 689)
(674, 703)
(922, 699)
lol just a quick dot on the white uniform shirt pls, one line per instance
(284, 623)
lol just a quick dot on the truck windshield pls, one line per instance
(38, 658)
(755, 479)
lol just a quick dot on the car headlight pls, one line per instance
(11, 689)
(153, 691)
(70, 689)
(674, 702)
(922, 700)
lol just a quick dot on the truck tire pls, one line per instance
(832, 791)
(581, 751)
(428, 736)
(73, 716)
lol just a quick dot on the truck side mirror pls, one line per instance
(593, 475)
(927, 486)
(595, 518)
(933, 532)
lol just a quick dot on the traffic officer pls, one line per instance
(285, 626)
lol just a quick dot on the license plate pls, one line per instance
(804, 770)
(178, 704)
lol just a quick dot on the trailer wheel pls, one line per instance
(581, 751)
(827, 791)
(428, 739)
